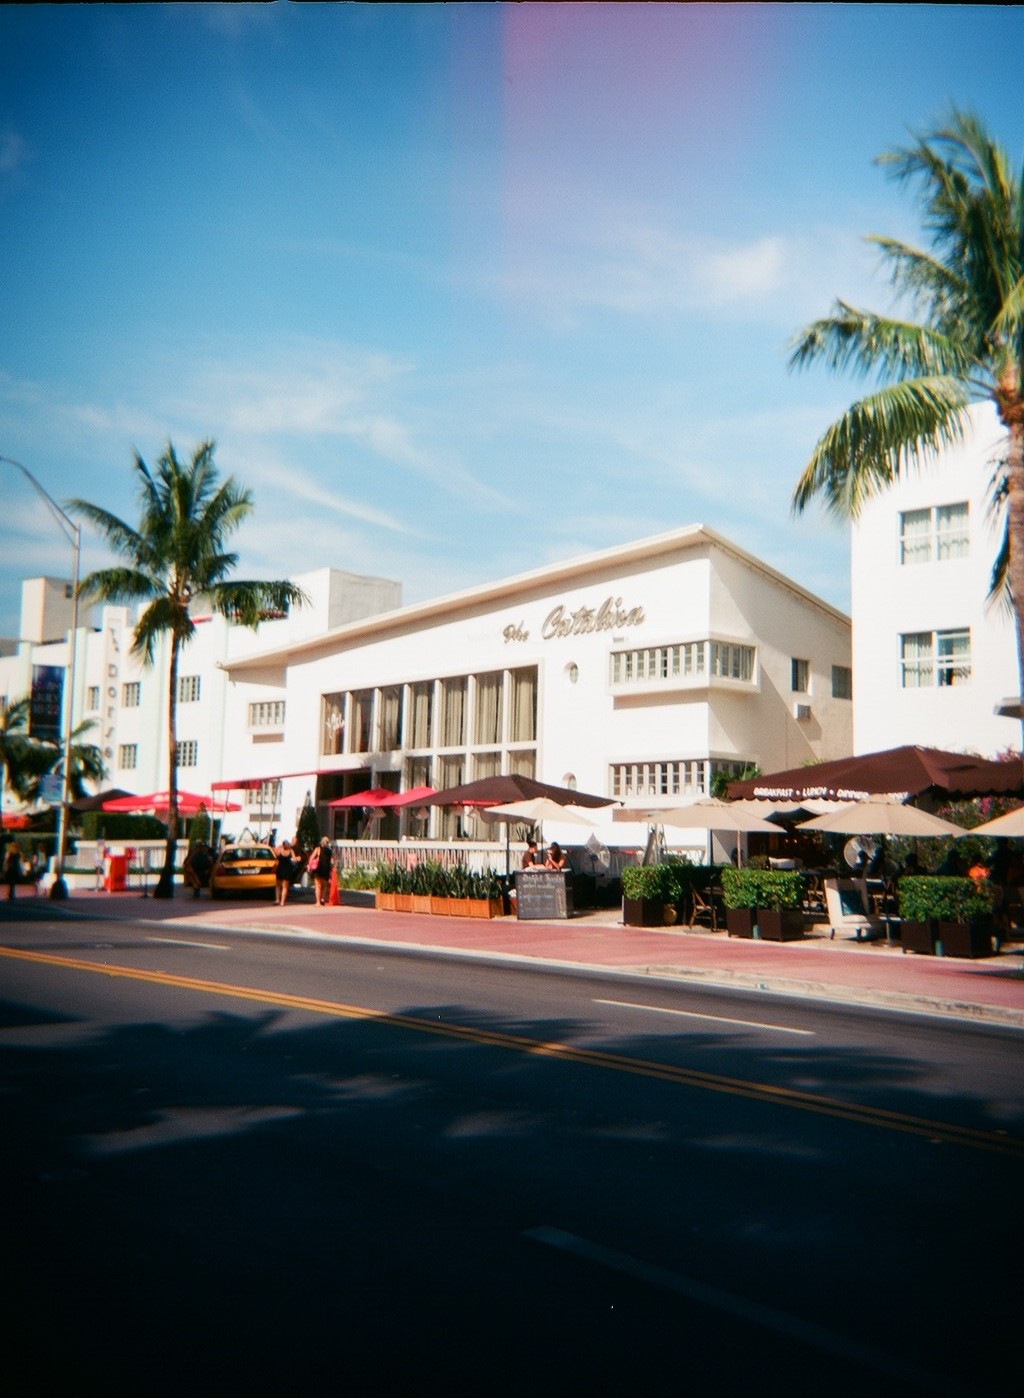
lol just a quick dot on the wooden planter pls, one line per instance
(482, 907)
(421, 903)
(918, 936)
(739, 922)
(386, 901)
(647, 912)
(403, 902)
(967, 939)
(440, 907)
(779, 924)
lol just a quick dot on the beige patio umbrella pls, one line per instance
(539, 808)
(1008, 826)
(878, 816)
(708, 814)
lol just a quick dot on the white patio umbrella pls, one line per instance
(708, 814)
(881, 817)
(539, 808)
(1008, 826)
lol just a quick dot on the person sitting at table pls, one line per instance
(531, 858)
(556, 859)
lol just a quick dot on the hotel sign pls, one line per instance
(561, 622)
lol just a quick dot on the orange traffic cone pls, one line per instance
(332, 890)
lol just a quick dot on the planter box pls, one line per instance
(482, 907)
(420, 902)
(779, 924)
(386, 901)
(403, 902)
(647, 912)
(441, 907)
(918, 936)
(966, 939)
(740, 922)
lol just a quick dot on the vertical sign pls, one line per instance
(45, 706)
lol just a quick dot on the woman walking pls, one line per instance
(284, 873)
(322, 872)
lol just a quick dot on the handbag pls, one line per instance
(313, 863)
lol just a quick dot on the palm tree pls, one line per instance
(16, 746)
(176, 554)
(962, 343)
(87, 764)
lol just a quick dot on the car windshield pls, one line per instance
(245, 856)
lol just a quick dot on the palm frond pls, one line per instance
(249, 603)
(877, 439)
(861, 341)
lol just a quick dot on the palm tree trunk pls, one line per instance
(1015, 518)
(165, 883)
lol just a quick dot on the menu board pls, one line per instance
(543, 894)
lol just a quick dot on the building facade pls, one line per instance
(933, 658)
(640, 673)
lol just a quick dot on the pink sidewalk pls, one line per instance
(841, 970)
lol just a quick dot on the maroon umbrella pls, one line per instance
(903, 772)
(500, 791)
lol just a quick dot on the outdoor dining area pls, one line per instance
(851, 850)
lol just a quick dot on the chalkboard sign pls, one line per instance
(543, 895)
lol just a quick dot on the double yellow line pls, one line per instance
(940, 1132)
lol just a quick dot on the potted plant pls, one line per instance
(485, 894)
(648, 896)
(958, 909)
(387, 885)
(764, 903)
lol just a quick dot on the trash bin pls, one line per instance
(117, 873)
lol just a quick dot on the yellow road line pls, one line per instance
(944, 1132)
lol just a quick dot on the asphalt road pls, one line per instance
(237, 1166)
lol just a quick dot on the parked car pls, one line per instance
(243, 869)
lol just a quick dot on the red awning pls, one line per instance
(15, 820)
(369, 798)
(254, 783)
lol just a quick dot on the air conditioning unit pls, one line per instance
(801, 712)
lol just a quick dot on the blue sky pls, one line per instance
(458, 290)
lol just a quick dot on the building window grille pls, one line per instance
(936, 534)
(935, 658)
(188, 753)
(267, 713)
(93, 697)
(686, 660)
(128, 756)
(360, 710)
(131, 694)
(487, 713)
(189, 689)
(523, 705)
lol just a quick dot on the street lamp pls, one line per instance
(73, 533)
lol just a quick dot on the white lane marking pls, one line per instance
(177, 942)
(695, 1014)
(750, 1312)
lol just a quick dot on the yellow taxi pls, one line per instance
(242, 869)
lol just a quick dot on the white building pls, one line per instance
(638, 673)
(932, 657)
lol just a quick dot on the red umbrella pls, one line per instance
(415, 796)
(159, 802)
(369, 799)
(903, 772)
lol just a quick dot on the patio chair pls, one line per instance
(849, 910)
(703, 909)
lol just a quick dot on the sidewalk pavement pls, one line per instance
(843, 971)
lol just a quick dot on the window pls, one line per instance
(267, 713)
(936, 534)
(487, 714)
(333, 726)
(688, 659)
(935, 658)
(266, 798)
(128, 756)
(671, 777)
(188, 753)
(842, 682)
(360, 713)
(421, 703)
(131, 694)
(389, 719)
(452, 713)
(523, 705)
(799, 676)
(188, 689)
(93, 697)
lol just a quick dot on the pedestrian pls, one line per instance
(320, 862)
(284, 873)
(36, 869)
(100, 863)
(12, 868)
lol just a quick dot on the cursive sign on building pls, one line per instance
(560, 622)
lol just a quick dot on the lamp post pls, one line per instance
(73, 533)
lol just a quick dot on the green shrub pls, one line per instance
(683, 877)
(358, 877)
(652, 882)
(943, 898)
(771, 889)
